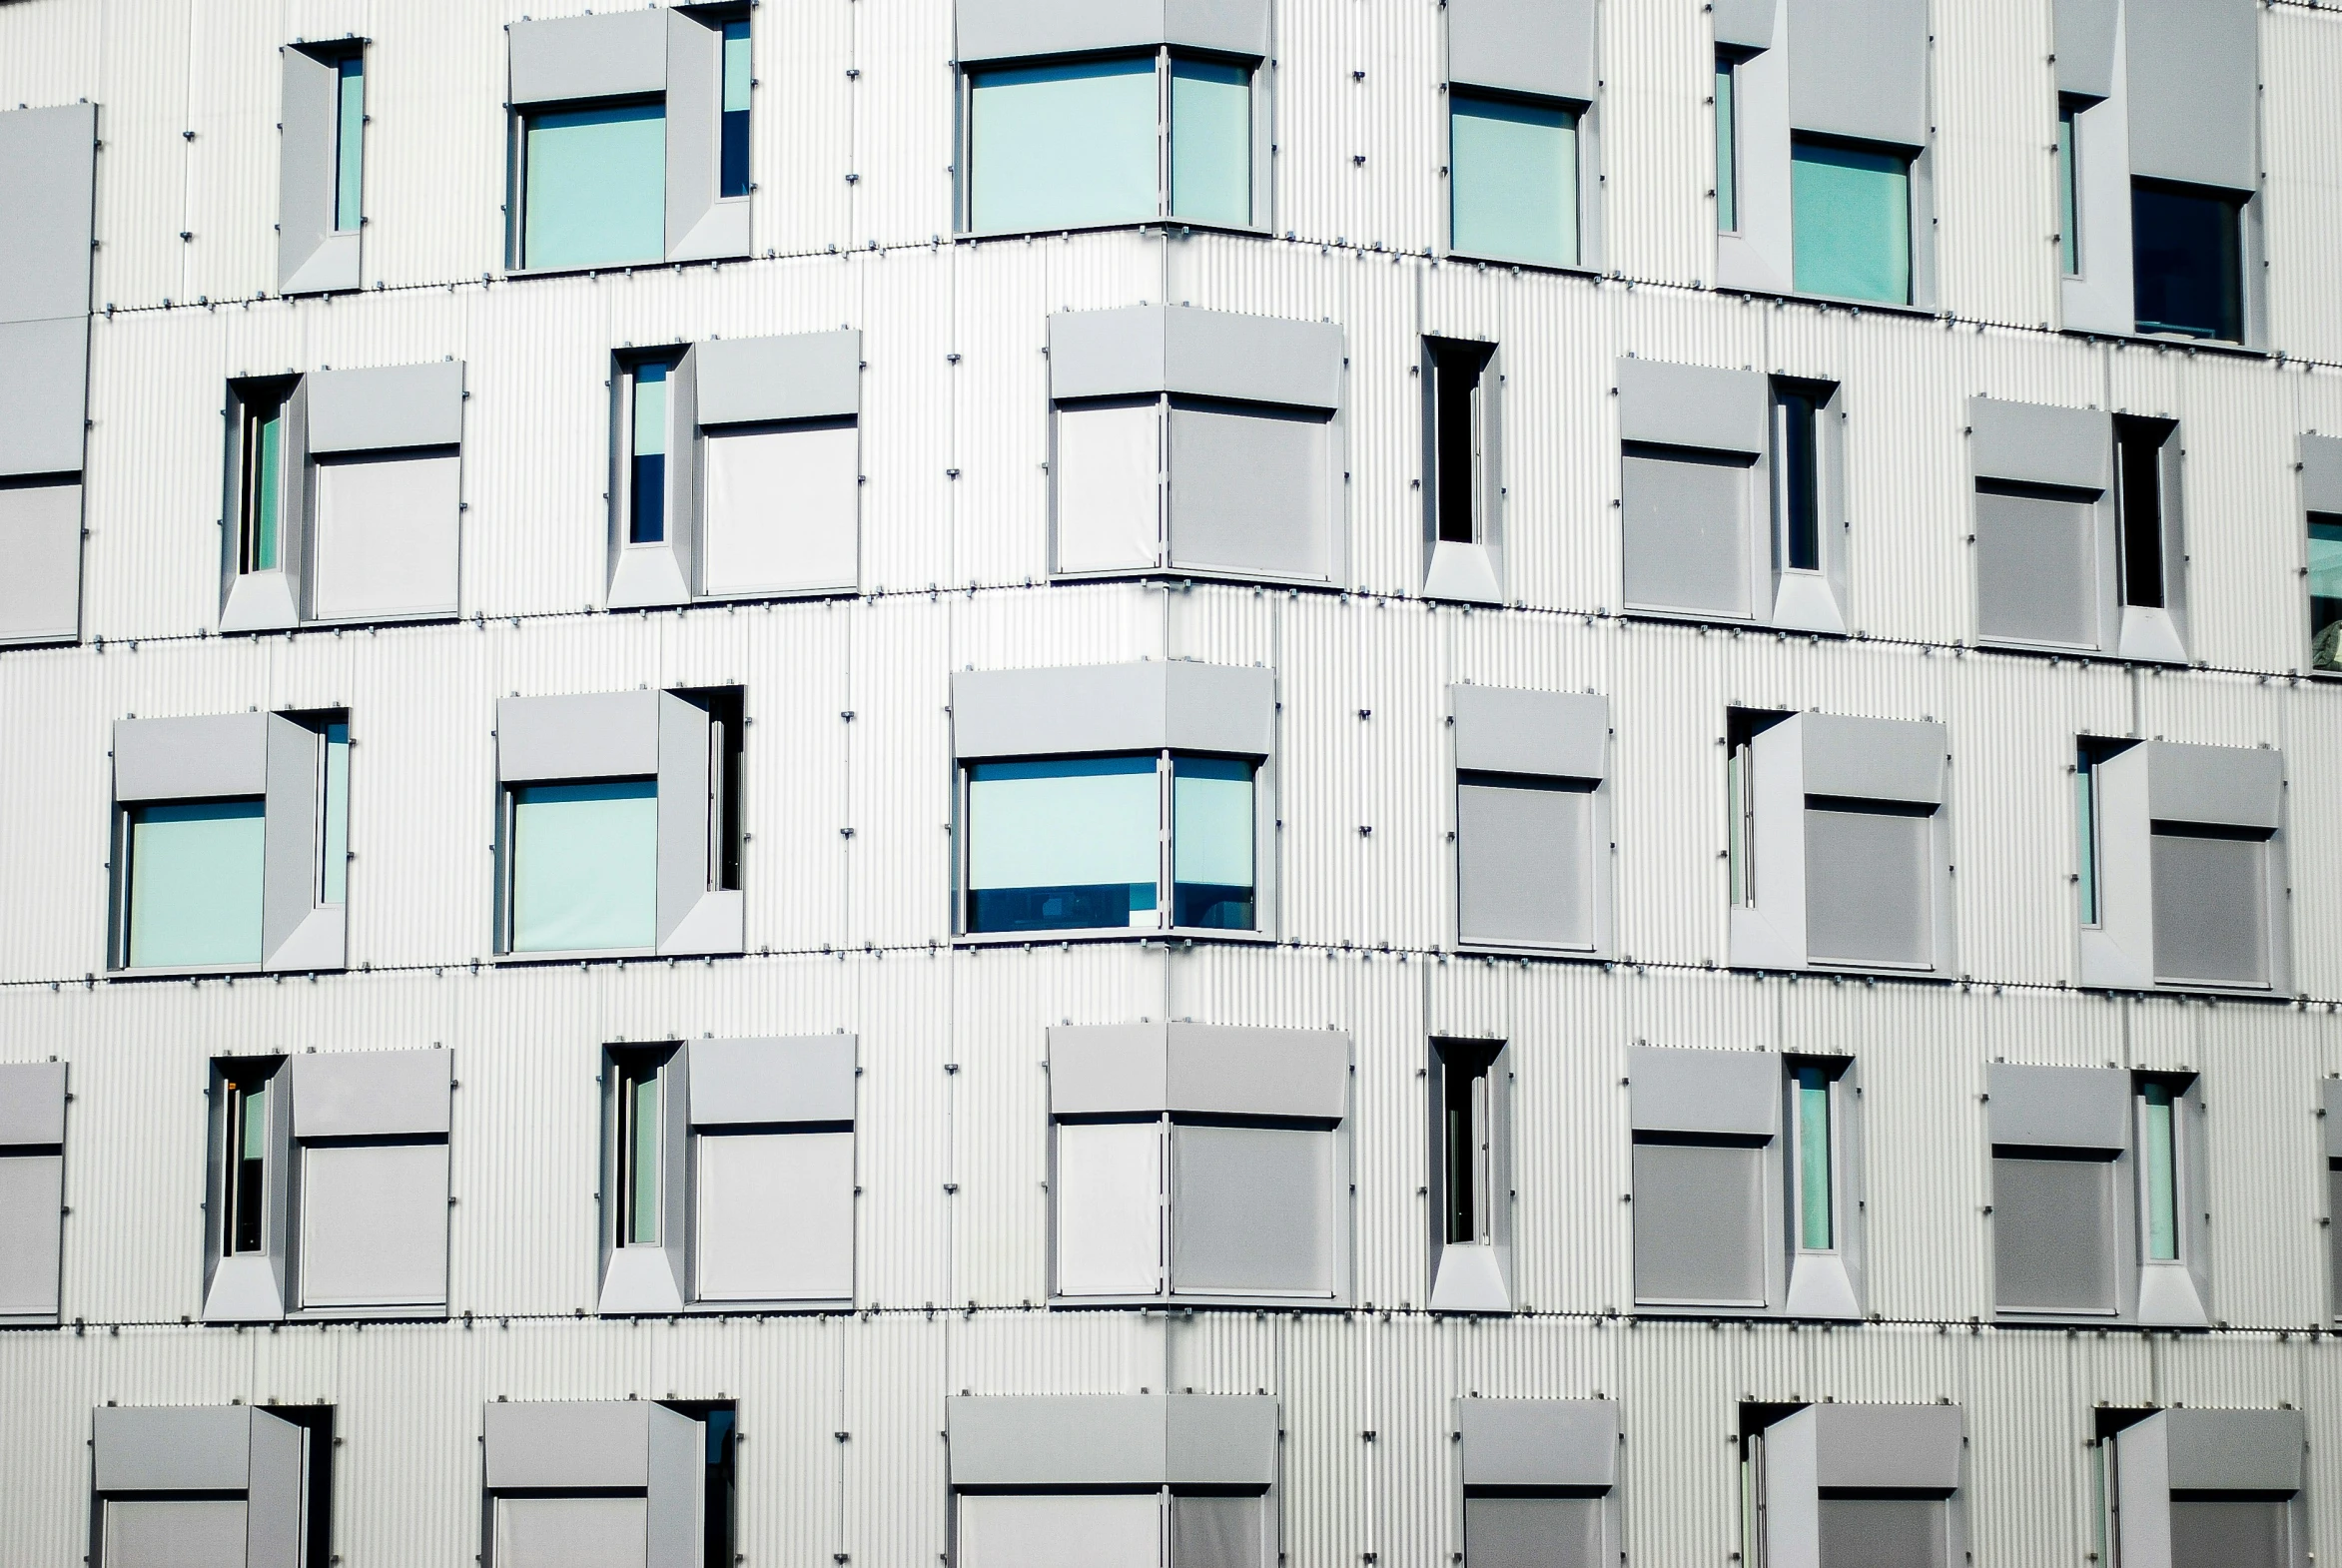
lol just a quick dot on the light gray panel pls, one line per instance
(2085, 46)
(1251, 491)
(276, 1502)
(1675, 1090)
(1219, 1532)
(684, 494)
(309, 116)
(2321, 473)
(1700, 1223)
(678, 1481)
(1107, 1177)
(2220, 786)
(686, 769)
(172, 1448)
(1687, 533)
(1219, 1071)
(1104, 353)
(1109, 1068)
(568, 1444)
(1058, 1440)
(2330, 1100)
(371, 1093)
(2053, 1235)
(1094, 1530)
(32, 1200)
(1859, 68)
(40, 539)
(42, 395)
(1254, 1210)
(387, 535)
(1881, 1447)
(782, 504)
(32, 1102)
(2194, 91)
(2211, 909)
(571, 1533)
(2038, 570)
(2038, 443)
(1106, 466)
(1524, 865)
(2059, 1106)
(1745, 23)
(1884, 1532)
(48, 183)
(1114, 707)
(1538, 1442)
(382, 408)
(1201, 353)
(166, 1533)
(1220, 1440)
(1874, 759)
(1552, 734)
(2230, 1532)
(2333, 1219)
(289, 884)
(776, 1216)
(374, 1224)
(802, 1078)
(1545, 47)
(2236, 1450)
(618, 54)
(191, 758)
(1694, 406)
(597, 735)
(1533, 1532)
(799, 375)
(1870, 887)
(1008, 29)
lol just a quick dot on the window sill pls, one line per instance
(1577, 269)
(212, 971)
(647, 264)
(1210, 1303)
(820, 1307)
(2220, 346)
(1697, 1310)
(1128, 225)
(2190, 988)
(30, 1320)
(1584, 955)
(1837, 301)
(577, 956)
(438, 1314)
(1167, 936)
(1175, 574)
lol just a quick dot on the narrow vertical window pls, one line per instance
(1211, 843)
(2138, 452)
(246, 1184)
(2325, 593)
(1727, 147)
(2086, 800)
(1741, 808)
(638, 1152)
(2159, 1169)
(1816, 1165)
(736, 85)
(2069, 209)
(1211, 141)
(1467, 1139)
(1460, 439)
(334, 816)
(646, 480)
(350, 142)
(725, 730)
(721, 1510)
(1797, 499)
(261, 488)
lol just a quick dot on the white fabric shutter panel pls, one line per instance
(374, 1224)
(1059, 1532)
(572, 1532)
(1248, 490)
(387, 529)
(1868, 886)
(1108, 515)
(776, 1216)
(782, 502)
(1252, 1210)
(32, 1196)
(1699, 1214)
(1522, 864)
(1687, 533)
(175, 1533)
(1109, 1207)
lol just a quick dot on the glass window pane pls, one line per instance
(248, 1234)
(2068, 211)
(1813, 1160)
(642, 1158)
(1063, 845)
(265, 453)
(585, 866)
(1797, 494)
(647, 488)
(734, 180)
(1850, 219)
(2086, 787)
(1057, 146)
(1513, 180)
(1211, 843)
(2325, 593)
(2161, 1175)
(597, 186)
(2185, 261)
(1727, 158)
(1212, 141)
(333, 853)
(350, 151)
(195, 883)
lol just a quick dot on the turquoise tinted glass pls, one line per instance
(735, 67)
(333, 881)
(1212, 141)
(268, 442)
(597, 186)
(643, 1213)
(195, 884)
(2325, 594)
(1054, 147)
(1813, 1160)
(1726, 160)
(1211, 843)
(651, 408)
(1513, 179)
(2163, 1178)
(2085, 801)
(350, 151)
(585, 866)
(1852, 222)
(1063, 845)
(2069, 213)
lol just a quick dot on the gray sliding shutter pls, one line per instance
(311, 257)
(1254, 1210)
(1705, 1187)
(591, 1475)
(772, 1125)
(2205, 1489)
(41, 398)
(1532, 833)
(2060, 1203)
(1869, 893)
(176, 1483)
(2321, 474)
(2194, 91)
(2042, 478)
(1519, 1456)
(2192, 882)
(780, 463)
(1008, 29)
(1540, 47)
(1692, 482)
(32, 1188)
(370, 1128)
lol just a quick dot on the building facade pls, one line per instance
(1171, 783)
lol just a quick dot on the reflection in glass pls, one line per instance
(1851, 221)
(2186, 262)
(1211, 843)
(585, 866)
(1065, 844)
(1212, 141)
(1513, 180)
(595, 186)
(1061, 145)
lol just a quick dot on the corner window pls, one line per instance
(2187, 262)
(1852, 1483)
(205, 1483)
(1727, 147)
(1850, 219)
(568, 1481)
(2325, 593)
(348, 140)
(1212, 141)
(1513, 179)
(732, 177)
(594, 185)
(2200, 1487)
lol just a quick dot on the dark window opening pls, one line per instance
(2138, 455)
(1467, 1136)
(2187, 262)
(1797, 495)
(2068, 176)
(1741, 726)
(1459, 372)
(639, 1146)
(727, 726)
(261, 475)
(245, 1163)
(318, 1421)
(720, 1421)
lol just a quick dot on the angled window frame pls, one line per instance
(1467, 569)
(1471, 1274)
(270, 1471)
(247, 1277)
(640, 1466)
(320, 223)
(2151, 1463)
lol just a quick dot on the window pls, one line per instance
(595, 186)
(566, 1479)
(647, 445)
(197, 1483)
(2138, 453)
(1227, 1184)
(1471, 1162)
(1469, 1138)
(348, 140)
(1813, 1094)
(620, 823)
(1532, 822)
(1513, 179)
(246, 1158)
(1539, 1481)
(733, 176)
(2158, 1171)
(1797, 479)
(637, 1140)
(1852, 220)
(2068, 211)
(1727, 147)
(261, 475)
(2188, 261)
(2325, 593)
(1460, 481)
(193, 894)
(2201, 1488)
(1080, 144)
(321, 208)
(1739, 804)
(32, 1189)
(1852, 1483)
(2086, 800)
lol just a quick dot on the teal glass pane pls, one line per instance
(1727, 156)
(267, 462)
(2325, 594)
(644, 1212)
(2163, 1178)
(1063, 845)
(1211, 843)
(2068, 211)
(349, 143)
(651, 408)
(255, 1122)
(1815, 1213)
(2086, 800)
(333, 883)
(1060, 146)
(195, 884)
(735, 67)
(585, 866)
(1513, 180)
(1850, 216)
(1212, 141)
(597, 186)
